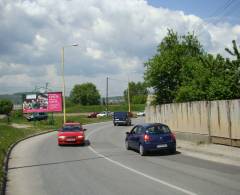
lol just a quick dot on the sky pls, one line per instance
(114, 37)
(211, 11)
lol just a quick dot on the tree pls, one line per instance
(85, 94)
(194, 81)
(182, 71)
(233, 69)
(235, 51)
(163, 70)
(137, 91)
(6, 106)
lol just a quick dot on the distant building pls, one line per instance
(113, 100)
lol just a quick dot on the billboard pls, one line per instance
(43, 102)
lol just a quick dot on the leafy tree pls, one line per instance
(137, 92)
(163, 70)
(85, 94)
(235, 51)
(182, 71)
(194, 81)
(233, 70)
(6, 106)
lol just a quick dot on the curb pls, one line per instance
(6, 159)
(209, 155)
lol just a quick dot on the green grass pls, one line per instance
(10, 135)
(100, 108)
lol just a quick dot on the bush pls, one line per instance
(17, 114)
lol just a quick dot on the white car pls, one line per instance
(141, 114)
(102, 114)
(105, 113)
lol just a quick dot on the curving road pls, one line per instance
(38, 166)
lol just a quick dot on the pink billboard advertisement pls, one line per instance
(43, 102)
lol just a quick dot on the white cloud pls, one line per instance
(115, 38)
(94, 53)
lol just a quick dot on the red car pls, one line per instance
(71, 133)
(93, 115)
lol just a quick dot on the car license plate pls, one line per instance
(162, 146)
(71, 140)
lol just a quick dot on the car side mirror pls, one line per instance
(84, 129)
(127, 133)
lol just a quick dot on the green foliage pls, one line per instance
(139, 99)
(235, 51)
(17, 113)
(69, 102)
(85, 94)
(137, 92)
(182, 71)
(6, 107)
(163, 71)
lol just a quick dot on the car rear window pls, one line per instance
(71, 128)
(120, 114)
(158, 129)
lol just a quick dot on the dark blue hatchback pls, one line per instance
(150, 137)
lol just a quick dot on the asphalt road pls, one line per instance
(38, 166)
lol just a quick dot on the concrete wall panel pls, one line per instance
(235, 119)
(215, 118)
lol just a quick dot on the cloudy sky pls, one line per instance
(114, 37)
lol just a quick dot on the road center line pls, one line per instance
(136, 171)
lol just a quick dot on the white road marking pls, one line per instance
(136, 171)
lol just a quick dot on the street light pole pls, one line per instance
(64, 104)
(64, 88)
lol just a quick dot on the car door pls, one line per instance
(132, 137)
(137, 137)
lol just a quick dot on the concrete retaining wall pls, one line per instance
(217, 119)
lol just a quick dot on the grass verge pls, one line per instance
(100, 108)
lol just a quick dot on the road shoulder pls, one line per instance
(212, 152)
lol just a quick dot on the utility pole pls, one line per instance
(129, 105)
(64, 104)
(107, 96)
(35, 89)
(46, 87)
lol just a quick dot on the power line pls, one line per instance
(222, 8)
(231, 11)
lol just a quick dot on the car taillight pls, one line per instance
(146, 138)
(173, 136)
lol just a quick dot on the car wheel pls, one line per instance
(142, 151)
(172, 150)
(114, 124)
(127, 145)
